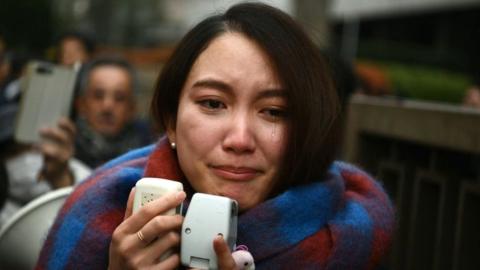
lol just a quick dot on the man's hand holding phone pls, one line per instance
(57, 146)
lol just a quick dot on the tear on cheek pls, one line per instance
(277, 133)
(274, 131)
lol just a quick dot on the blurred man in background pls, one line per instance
(106, 122)
(105, 127)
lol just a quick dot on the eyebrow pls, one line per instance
(215, 84)
(224, 87)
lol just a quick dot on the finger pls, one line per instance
(162, 248)
(129, 208)
(225, 260)
(68, 126)
(49, 150)
(172, 262)
(152, 209)
(55, 134)
(53, 159)
(159, 226)
(54, 155)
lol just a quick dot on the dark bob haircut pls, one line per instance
(313, 105)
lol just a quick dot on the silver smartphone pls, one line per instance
(47, 92)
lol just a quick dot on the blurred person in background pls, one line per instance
(3, 62)
(2, 44)
(105, 127)
(106, 120)
(28, 171)
(12, 67)
(74, 47)
(4, 69)
(472, 94)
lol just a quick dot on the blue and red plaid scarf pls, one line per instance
(343, 222)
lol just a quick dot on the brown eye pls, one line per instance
(98, 94)
(120, 97)
(275, 113)
(212, 104)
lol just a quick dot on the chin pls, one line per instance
(244, 202)
(109, 132)
(242, 207)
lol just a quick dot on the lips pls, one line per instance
(235, 173)
(106, 119)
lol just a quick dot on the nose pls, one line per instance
(239, 137)
(108, 102)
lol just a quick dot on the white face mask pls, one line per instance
(24, 168)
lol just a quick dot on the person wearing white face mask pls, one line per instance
(26, 171)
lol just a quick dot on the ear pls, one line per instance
(171, 129)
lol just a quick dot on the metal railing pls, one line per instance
(427, 156)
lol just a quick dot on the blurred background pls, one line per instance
(429, 43)
(408, 72)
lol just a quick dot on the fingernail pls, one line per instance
(219, 236)
(180, 195)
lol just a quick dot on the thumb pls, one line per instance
(225, 260)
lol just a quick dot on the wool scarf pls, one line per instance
(344, 221)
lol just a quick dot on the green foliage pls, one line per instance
(426, 83)
(418, 71)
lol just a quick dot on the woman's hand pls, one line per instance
(142, 238)
(225, 259)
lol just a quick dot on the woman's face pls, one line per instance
(231, 126)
